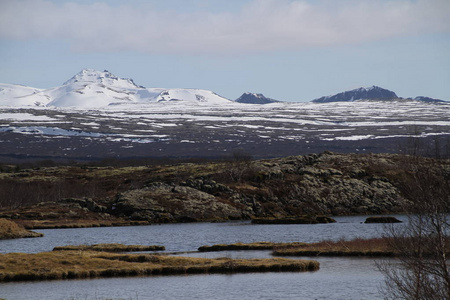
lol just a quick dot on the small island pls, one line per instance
(111, 248)
(357, 247)
(308, 219)
(247, 246)
(382, 219)
(93, 264)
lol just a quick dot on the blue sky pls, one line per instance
(287, 50)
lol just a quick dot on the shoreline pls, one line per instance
(31, 224)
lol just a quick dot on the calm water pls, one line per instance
(338, 278)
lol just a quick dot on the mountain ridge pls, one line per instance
(90, 88)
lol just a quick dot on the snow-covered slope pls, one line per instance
(189, 95)
(19, 95)
(93, 89)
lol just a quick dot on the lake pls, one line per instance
(338, 278)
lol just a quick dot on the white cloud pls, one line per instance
(260, 26)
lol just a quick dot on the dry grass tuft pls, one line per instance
(12, 230)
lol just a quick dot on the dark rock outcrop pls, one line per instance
(162, 202)
(323, 184)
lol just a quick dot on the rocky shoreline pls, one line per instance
(326, 184)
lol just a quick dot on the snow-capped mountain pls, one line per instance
(363, 93)
(252, 98)
(90, 88)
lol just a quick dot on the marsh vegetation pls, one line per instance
(93, 264)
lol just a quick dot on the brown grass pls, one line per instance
(12, 230)
(247, 246)
(81, 223)
(356, 247)
(91, 264)
(111, 248)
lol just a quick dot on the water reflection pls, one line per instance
(188, 237)
(337, 279)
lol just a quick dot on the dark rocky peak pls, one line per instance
(252, 98)
(368, 93)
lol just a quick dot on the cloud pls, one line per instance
(259, 26)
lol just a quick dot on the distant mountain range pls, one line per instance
(90, 88)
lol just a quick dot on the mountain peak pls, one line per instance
(254, 98)
(369, 88)
(363, 93)
(91, 76)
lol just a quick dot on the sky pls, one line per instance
(288, 50)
